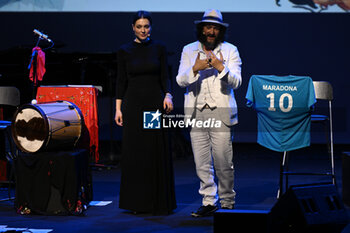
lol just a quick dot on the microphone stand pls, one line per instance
(33, 62)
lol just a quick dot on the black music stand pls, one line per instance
(33, 63)
(9, 96)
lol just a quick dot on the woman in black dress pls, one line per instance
(147, 181)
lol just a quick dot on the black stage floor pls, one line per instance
(256, 184)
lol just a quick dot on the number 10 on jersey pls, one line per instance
(281, 105)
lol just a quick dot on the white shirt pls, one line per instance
(219, 86)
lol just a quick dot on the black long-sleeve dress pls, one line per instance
(147, 181)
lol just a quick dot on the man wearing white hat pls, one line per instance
(210, 69)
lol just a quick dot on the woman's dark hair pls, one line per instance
(142, 14)
(201, 37)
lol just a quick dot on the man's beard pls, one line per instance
(209, 45)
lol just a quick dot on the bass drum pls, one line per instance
(39, 127)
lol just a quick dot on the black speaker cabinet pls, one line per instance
(240, 221)
(309, 208)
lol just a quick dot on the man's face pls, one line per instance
(211, 32)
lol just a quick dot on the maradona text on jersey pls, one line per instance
(279, 88)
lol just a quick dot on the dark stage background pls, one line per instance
(313, 44)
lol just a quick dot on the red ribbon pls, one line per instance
(40, 65)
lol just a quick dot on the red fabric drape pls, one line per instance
(40, 66)
(86, 99)
(3, 170)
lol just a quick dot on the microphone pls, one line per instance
(42, 35)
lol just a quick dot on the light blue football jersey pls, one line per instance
(283, 105)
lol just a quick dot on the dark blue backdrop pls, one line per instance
(314, 44)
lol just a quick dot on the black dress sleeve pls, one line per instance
(122, 81)
(164, 78)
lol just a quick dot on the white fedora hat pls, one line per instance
(212, 16)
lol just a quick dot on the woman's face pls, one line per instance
(142, 29)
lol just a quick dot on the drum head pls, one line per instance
(29, 129)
